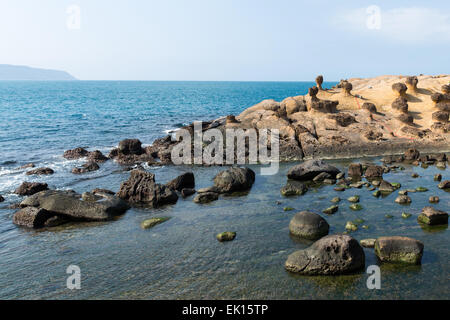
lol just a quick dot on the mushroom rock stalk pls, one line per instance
(399, 89)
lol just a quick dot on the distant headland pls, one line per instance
(13, 73)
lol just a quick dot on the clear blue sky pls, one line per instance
(227, 39)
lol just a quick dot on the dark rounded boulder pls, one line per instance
(186, 180)
(399, 88)
(131, 146)
(308, 225)
(373, 171)
(30, 188)
(308, 170)
(234, 179)
(330, 255)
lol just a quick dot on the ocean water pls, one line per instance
(181, 259)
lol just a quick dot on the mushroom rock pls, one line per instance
(347, 88)
(400, 104)
(319, 82)
(399, 89)
(411, 83)
(369, 107)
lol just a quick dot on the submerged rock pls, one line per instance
(150, 223)
(331, 255)
(293, 188)
(40, 171)
(310, 169)
(234, 179)
(432, 216)
(353, 199)
(356, 207)
(85, 168)
(351, 226)
(433, 199)
(226, 236)
(308, 225)
(444, 184)
(399, 249)
(403, 199)
(368, 243)
(331, 210)
(30, 188)
(141, 189)
(206, 197)
(438, 177)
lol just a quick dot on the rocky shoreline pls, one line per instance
(312, 127)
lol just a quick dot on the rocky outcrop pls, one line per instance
(234, 179)
(331, 255)
(432, 216)
(399, 249)
(310, 169)
(141, 189)
(308, 225)
(30, 188)
(41, 171)
(70, 205)
(186, 180)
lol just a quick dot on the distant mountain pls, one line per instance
(10, 72)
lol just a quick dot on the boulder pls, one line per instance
(30, 188)
(97, 157)
(76, 153)
(206, 197)
(369, 107)
(308, 225)
(87, 167)
(186, 192)
(186, 180)
(355, 170)
(310, 169)
(412, 154)
(343, 119)
(444, 184)
(399, 249)
(1, 198)
(141, 189)
(405, 118)
(440, 116)
(40, 171)
(373, 171)
(234, 179)
(386, 187)
(36, 218)
(403, 199)
(432, 216)
(131, 146)
(400, 104)
(331, 255)
(293, 188)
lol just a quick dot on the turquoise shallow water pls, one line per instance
(181, 258)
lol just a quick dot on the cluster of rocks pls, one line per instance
(442, 104)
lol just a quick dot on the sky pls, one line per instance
(226, 40)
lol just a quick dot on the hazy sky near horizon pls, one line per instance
(261, 40)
